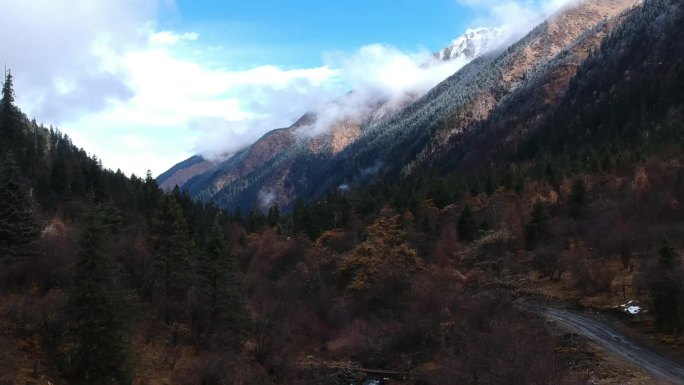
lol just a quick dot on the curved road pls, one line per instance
(618, 343)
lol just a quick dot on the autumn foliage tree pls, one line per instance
(377, 271)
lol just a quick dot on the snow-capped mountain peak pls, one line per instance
(473, 43)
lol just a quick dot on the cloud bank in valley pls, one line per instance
(379, 74)
(373, 73)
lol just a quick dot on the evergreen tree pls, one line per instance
(171, 246)
(255, 221)
(466, 226)
(440, 194)
(19, 227)
(59, 180)
(220, 286)
(667, 255)
(7, 101)
(151, 194)
(665, 284)
(490, 183)
(273, 216)
(96, 308)
(538, 229)
(578, 198)
(551, 174)
(10, 128)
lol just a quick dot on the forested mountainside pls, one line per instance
(214, 175)
(630, 79)
(394, 146)
(268, 167)
(106, 279)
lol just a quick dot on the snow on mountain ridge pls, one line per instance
(473, 43)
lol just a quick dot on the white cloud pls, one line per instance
(171, 37)
(391, 72)
(187, 107)
(136, 96)
(55, 48)
(380, 74)
(266, 199)
(520, 16)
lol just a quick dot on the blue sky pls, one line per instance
(295, 33)
(144, 84)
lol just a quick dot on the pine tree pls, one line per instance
(59, 179)
(466, 226)
(19, 227)
(171, 246)
(96, 311)
(273, 216)
(440, 194)
(10, 128)
(220, 287)
(578, 198)
(665, 284)
(255, 221)
(151, 194)
(537, 230)
(7, 92)
(667, 255)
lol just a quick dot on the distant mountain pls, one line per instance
(399, 140)
(466, 48)
(181, 172)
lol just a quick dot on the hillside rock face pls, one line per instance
(398, 140)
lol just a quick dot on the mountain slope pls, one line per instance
(422, 129)
(205, 178)
(181, 172)
(573, 33)
(404, 139)
(634, 76)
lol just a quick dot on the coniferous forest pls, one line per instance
(432, 278)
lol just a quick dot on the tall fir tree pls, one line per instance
(537, 230)
(220, 285)
(666, 285)
(466, 226)
(273, 216)
(578, 198)
(152, 195)
(19, 226)
(172, 248)
(96, 307)
(10, 127)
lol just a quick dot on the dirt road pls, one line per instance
(618, 343)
